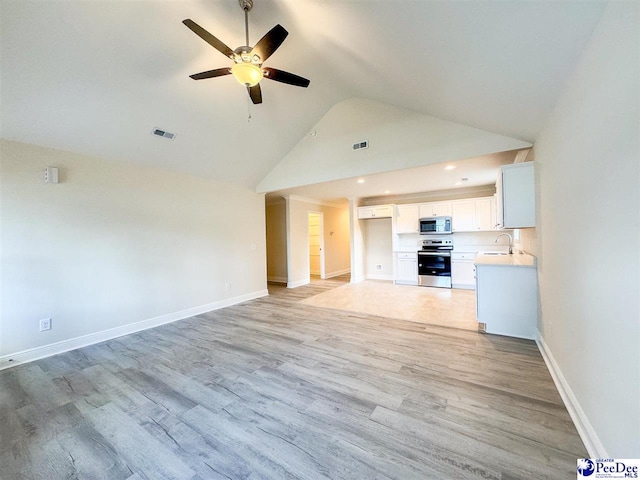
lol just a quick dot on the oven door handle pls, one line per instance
(435, 254)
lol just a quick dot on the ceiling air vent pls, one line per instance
(163, 133)
(361, 145)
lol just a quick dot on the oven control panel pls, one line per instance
(437, 244)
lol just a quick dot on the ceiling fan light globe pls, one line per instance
(247, 74)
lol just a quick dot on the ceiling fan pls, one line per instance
(247, 68)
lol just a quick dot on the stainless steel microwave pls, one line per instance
(435, 225)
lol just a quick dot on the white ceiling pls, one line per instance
(95, 77)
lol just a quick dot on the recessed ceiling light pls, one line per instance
(458, 183)
(449, 167)
(387, 191)
(360, 180)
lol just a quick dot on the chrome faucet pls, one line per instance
(510, 242)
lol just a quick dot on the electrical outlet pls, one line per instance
(253, 247)
(378, 267)
(227, 286)
(45, 324)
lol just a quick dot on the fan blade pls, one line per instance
(285, 77)
(218, 72)
(255, 93)
(207, 37)
(270, 42)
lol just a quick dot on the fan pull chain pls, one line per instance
(248, 111)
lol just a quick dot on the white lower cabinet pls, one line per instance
(406, 271)
(463, 270)
(507, 300)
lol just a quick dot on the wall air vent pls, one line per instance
(163, 133)
(361, 145)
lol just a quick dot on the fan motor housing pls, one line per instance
(243, 55)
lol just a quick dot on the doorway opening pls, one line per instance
(316, 244)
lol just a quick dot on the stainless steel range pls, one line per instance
(434, 262)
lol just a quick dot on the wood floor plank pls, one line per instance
(314, 438)
(402, 456)
(276, 389)
(514, 456)
(208, 459)
(60, 443)
(141, 451)
(262, 453)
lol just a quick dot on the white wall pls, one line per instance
(528, 241)
(398, 139)
(112, 244)
(357, 243)
(276, 224)
(378, 248)
(588, 235)
(336, 253)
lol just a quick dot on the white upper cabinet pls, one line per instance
(515, 196)
(407, 218)
(375, 211)
(468, 215)
(473, 214)
(463, 213)
(485, 214)
(435, 209)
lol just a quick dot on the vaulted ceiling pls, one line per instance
(96, 77)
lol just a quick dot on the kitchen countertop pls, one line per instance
(515, 260)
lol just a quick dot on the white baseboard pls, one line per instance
(587, 434)
(298, 283)
(357, 279)
(307, 281)
(18, 358)
(373, 276)
(277, 279)
(337, 273)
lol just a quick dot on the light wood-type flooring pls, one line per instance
(275, 389)
(449, 307)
